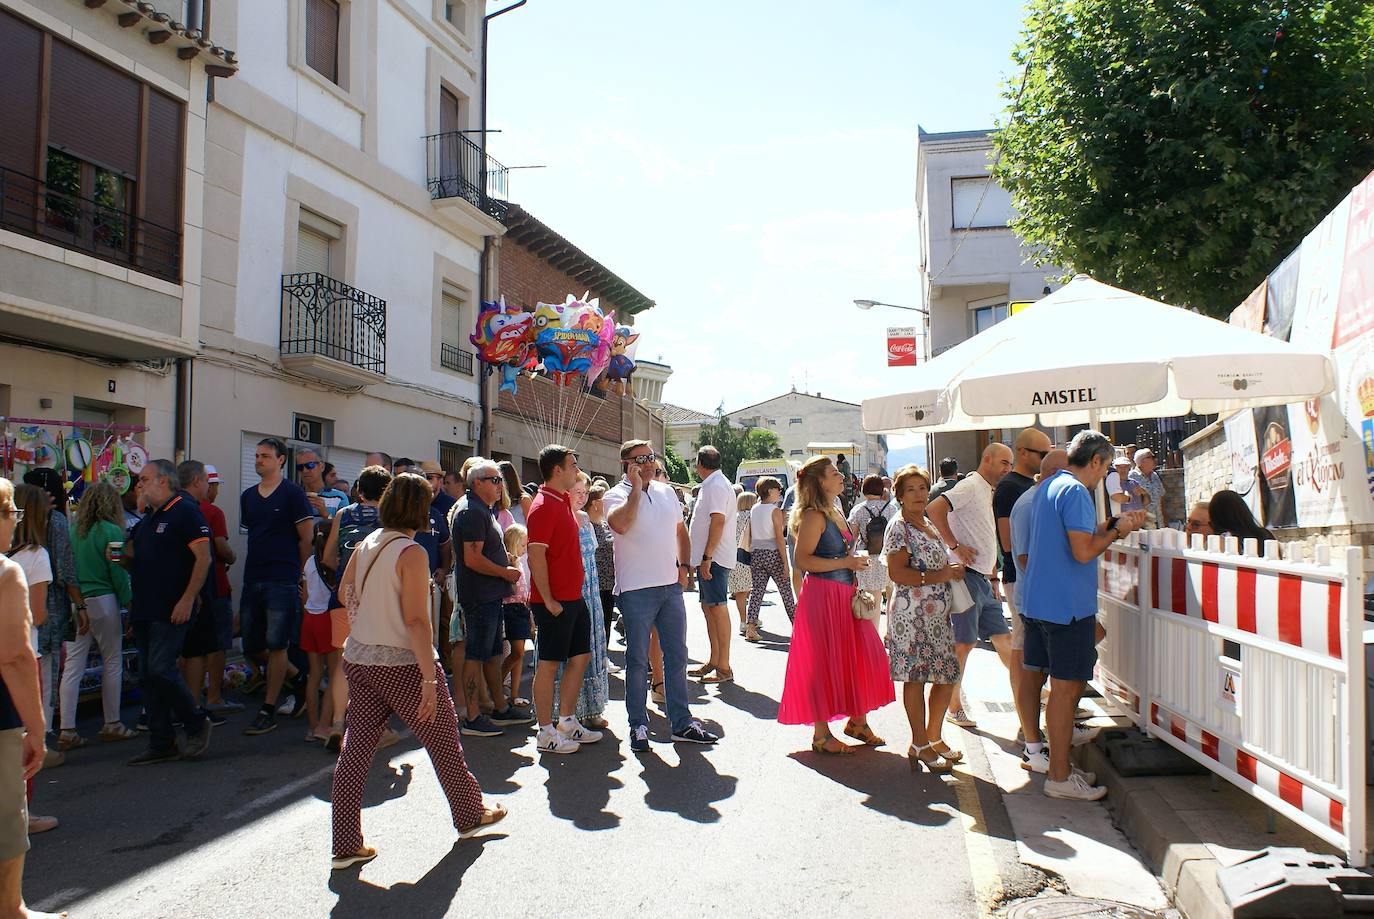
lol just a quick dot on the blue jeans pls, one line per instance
(269, 615)
(641, 611)
(163, 690)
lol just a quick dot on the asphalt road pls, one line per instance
(758, 826)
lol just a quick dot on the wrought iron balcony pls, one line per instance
(455, 358)
(331, 330)
(459, 169)
(111, 234)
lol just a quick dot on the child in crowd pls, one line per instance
(317, 638)
(519, 621)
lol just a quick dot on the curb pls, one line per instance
(1185, 866)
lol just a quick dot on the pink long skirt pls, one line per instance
(836, 665)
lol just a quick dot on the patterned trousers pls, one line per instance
(374, 694)
(765, 564)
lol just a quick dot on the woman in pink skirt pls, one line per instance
(836, 666)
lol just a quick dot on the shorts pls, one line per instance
(566, 635)
(14, 807)
(1066, 651)
(1018, 624)
(202, 636)
(317, 633)
(517, 621)
(484, 631)
(985, 618)
(715, 592)
(269, 615)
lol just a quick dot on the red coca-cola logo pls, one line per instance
(899, 348)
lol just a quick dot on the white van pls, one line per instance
(750, 471)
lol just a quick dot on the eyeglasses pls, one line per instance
(1197, 524)
(14, 513)
(1040, 453)
(495, 479)
(641, 460)
(301, 467)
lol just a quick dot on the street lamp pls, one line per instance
(869, 304)
(925, 348)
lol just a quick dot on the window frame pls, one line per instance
(987, 303)
(460, 280)
(986, 179)
(355, 56)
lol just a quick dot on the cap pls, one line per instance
(431, 468)
(1122, 460)
(211, 475)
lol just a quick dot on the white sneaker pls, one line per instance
(576, 732)
(1082, 734)
(1075, 788)
(1039, 763)
(287, 705)
(612, 666)
(551, 740)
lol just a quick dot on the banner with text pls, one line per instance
(901, 346)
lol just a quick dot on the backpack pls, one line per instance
(355, 523)
(876, 530)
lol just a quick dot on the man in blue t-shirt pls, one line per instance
(280, 523)
(1059, 596)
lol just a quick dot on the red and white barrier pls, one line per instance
(1254, 667)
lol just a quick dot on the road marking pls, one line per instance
(987, 881)
(277, 794)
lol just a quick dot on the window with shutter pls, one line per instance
(453, 332)
(20, 72)
(451, 320)
(312, 251)
(322, 38)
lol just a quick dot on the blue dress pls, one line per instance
(596, 686)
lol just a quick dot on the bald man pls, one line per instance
(963, 517)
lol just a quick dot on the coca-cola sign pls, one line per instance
(901, 346)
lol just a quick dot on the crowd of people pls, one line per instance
(359, 599)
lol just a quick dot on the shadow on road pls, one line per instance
(688, 789)
(432, 895)
(765, 708)
(886, 778)
(579, 786)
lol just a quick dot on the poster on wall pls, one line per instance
(1355, 308)
(1240, 437)
(1276, 467)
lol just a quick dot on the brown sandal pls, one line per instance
(819, 746)
(720, 676)
(864, 735)
(490, 815)
(701, 671)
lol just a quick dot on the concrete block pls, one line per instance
(1292, 882)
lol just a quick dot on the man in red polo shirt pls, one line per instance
(565, 624)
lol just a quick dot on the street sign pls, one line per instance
(901, 346)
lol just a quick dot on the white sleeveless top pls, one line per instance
(378, 633)
(761, 526)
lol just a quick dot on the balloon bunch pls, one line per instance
(566, 340)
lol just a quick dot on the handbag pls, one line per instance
(864, 605)
(960, 600)
(743, 557)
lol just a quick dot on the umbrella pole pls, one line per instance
(1094, 420)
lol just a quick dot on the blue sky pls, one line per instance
(750, 166)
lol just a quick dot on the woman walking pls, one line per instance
(741, 580)
(767, 524)
(868, 522)
(391, 667)
(104, 589)
(835, 666)
(596, 687)
(920, 637)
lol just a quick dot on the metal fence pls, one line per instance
(458, 168)
(325, 317)
(455, 358)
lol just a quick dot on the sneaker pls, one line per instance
(286, 706)
(695, 733)
(198, 743)
(1075, 788)
(639, 739)
(551, 740)
(298, 704)
(613, 667)
(213, 717)
(960, 718)
(481, 726)
(225, 708)
(511, 715)
(576, 732)
(151, 757)
(264, 722)
(1039, 763)
(1083, 733)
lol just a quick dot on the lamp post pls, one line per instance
(925, 350)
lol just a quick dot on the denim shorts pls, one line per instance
(715, 592)
(517, 621)
(985, 618)
(1066, 651)
(484, 631)
(270, 615)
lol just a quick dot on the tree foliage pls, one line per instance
(678, 468)
(738, 444)
(1181, 148)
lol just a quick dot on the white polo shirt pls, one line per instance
(646, 555)
(970, 519)
(717, 496)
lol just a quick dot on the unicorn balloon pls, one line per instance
(504, 339)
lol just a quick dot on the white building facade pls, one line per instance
(972, 265)
(800, 418)
(348, 235)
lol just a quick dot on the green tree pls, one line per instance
(678, 469)
(738, 444)
(1182, 149)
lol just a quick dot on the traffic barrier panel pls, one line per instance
(1255, 667)
(1119, 661)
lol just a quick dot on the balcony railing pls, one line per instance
(455, 358)
(111, 234)
(323, 317)
(459, 169)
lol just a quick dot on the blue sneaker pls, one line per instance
(639, 739)
(481, 726)
(695, 733)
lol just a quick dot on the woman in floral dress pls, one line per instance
(920, 638)
(741, 578)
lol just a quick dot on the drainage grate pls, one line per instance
(1058, 907)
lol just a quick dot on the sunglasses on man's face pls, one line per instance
(641, 460)
(1040, 453)
(494, 479)
(301, 467)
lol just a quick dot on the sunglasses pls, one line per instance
(313, 464)
(1040, 453)
(641, 460)
(496, 479)
(14, 513)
